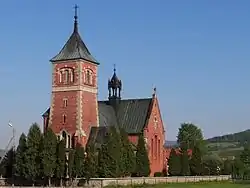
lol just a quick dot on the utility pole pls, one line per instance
(13, 152)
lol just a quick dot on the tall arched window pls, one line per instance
(64, 136)
(71, 75)
(66, 78)
(60, 76)
(88, 77)
(64, 118)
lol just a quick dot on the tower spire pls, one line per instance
(76, 17)
(114, 69)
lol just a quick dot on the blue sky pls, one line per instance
(195, 52)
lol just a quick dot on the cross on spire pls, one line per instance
(75, 7)
(75, 17)
(114, 68)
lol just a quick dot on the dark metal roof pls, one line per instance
(74, 49)
(130, 114)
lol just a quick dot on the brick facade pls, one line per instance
(74, 107)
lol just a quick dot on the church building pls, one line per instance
(76, 115)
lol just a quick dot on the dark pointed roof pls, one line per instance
(115, 82)
(74, 48)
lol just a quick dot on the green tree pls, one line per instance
(127, 161)
(174, 163)
(189, 134)
(142, 168)
(185, 168)
(212, 164)
(245, 156)
(60, 162)
(79, 161)
(196, 161)
(109, 154)
(103, 170)
(227, 167)
(8, 164)
(114, 151)
(49, 154)
(237, 169)
(33, 154)
(20, 166)
(71, 164)
(90, 164)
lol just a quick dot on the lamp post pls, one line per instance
(13, 151)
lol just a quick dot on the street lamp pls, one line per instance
(13, 151)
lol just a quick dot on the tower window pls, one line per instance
(66, 79)
(66, 75)
(65, 103)
(64, 118)
(60, 76)
(89, 77)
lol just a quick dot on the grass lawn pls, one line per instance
(195, 185)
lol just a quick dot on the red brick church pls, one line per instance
(76, 115)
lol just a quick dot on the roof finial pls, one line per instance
(154, 92)
(75, 17)
(114, 68)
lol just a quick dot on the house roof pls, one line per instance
(74, 49)
(130, 114)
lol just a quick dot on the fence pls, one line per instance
(102, 182)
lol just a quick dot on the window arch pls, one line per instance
(66, 75)
(89, 77)
(67, 138)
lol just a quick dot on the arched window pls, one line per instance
(60, 76)
(64, 135)
(71, 75)
(65, 102)
(69, 141)
(88, 77)
(66, 78)
(64, 118)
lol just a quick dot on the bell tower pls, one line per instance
(74, 108)
(115, 88)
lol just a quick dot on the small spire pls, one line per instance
(75, 17)
(114, 69)
(154, 92)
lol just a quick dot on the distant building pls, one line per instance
(76, 115)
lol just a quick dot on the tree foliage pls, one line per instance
(33, 154)
(196, 161)
(21, 163)
(127, 161)
(90, 163)
(185, 168)
(110, 154)
(71, 160)
(142, 168)
(189, 134)
(60, 162)
(174, 163)
(79, 157)
(8, 163)
(49, 154)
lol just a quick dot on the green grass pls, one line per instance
(191, 185)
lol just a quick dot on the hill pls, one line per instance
(229, 145)
(241, 137)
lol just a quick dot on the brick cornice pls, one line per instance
(74, 88)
